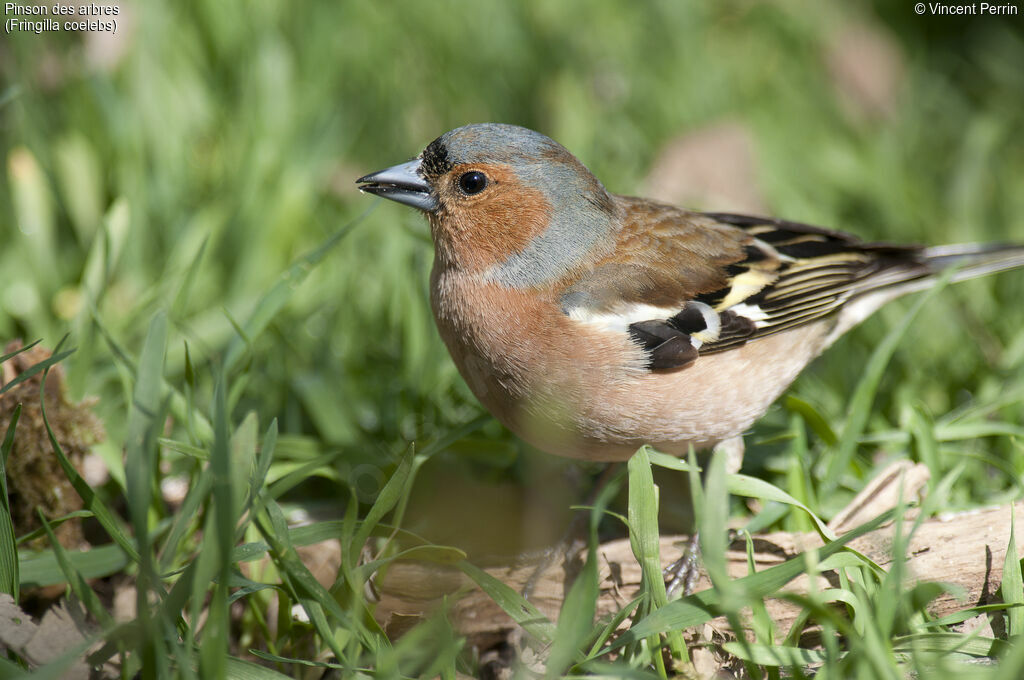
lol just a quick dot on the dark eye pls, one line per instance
(472, 182)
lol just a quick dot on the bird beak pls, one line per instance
(401, 183)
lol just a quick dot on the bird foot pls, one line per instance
(681, 576)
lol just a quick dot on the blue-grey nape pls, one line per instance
(577, 227)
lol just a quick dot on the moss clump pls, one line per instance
(34, 477)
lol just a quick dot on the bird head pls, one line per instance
(503, 201)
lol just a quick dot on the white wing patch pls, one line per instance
(620, 319)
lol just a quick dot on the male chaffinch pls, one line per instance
(591, 323)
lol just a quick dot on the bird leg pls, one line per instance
(681, 575)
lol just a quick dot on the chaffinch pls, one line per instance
(591, 323)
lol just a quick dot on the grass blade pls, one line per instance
(242, 464)
(44, 365)
(217, 544)
(775, 655)
(264, 458)
(141, 452)
(239, 669)
(513, 603)
(394, 490)
(74, 578)
(23, 348)
(813, 418)
(110, 523)
(752, 487)
(40, 569)
(143, 425)
(642, 517)
(9, 576)
(1013, 584)
(645, 540)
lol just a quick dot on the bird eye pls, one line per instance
(472, 182)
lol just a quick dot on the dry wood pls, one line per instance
(966, 549)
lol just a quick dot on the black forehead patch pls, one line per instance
(436, 161)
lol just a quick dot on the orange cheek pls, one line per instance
(478, 233)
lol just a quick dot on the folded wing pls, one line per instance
(684, 284)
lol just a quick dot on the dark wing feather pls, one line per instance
(819, 272)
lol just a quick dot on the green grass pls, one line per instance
(184, 211)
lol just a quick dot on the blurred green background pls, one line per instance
(186, 161)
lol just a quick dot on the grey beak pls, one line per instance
(401, 183)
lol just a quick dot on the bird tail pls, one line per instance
(902, 275)
(971, 260)
(974, 260)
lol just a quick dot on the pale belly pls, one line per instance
(716, 398)
(581, 392)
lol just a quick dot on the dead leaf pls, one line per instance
(59, 632)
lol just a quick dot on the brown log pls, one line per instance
(965, 549)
